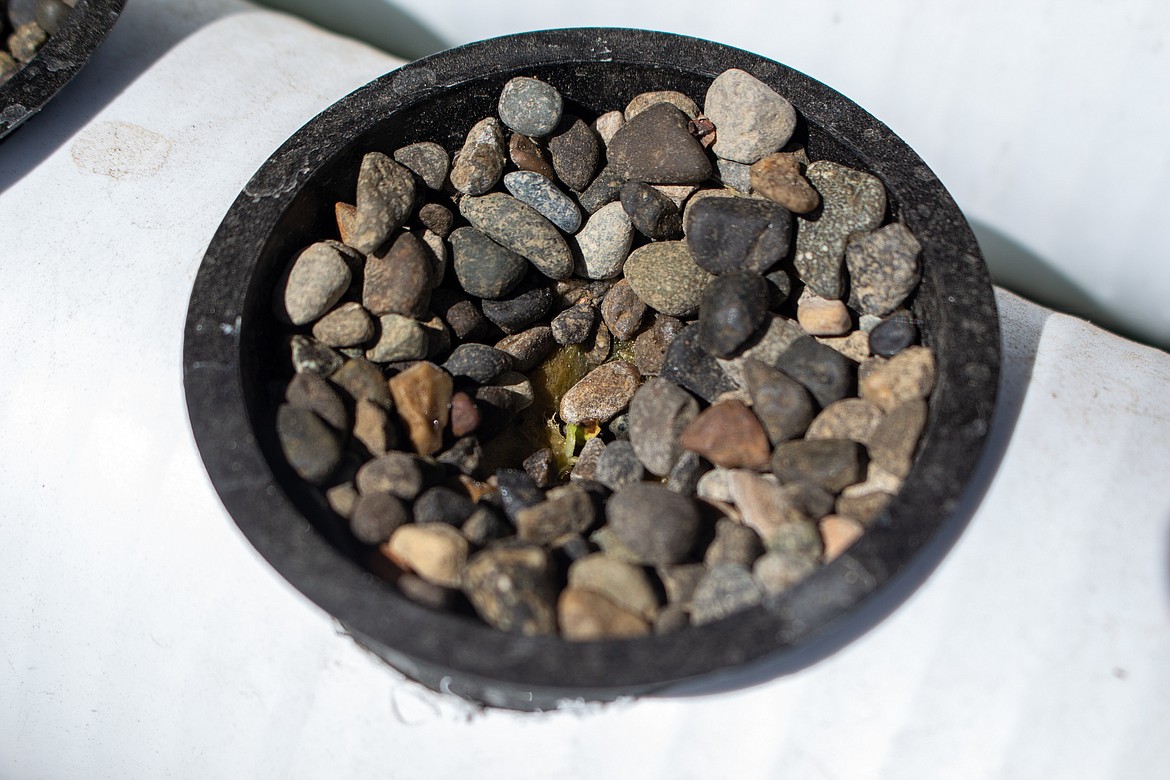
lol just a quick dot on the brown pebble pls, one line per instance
(906, 376)
(849, 418)
(778, 177)
(465, 416)
(863, 508)
(622, 311)
(651, 345)
(527, 155)
(585, 616)
(728, 435)
(601, 394)
(422, 396)
(823, 316)
(512, 589)
(435, 551)
(893, 442)
(838, 533)
(373, 427)
(346, 216)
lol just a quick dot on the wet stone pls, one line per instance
(427, 160)
(659, 412)
(831, 463)
(778, 177)
(523, 307)
(665, 276)
(480, 162)
(852, 204)
(850, 418)
(542, 195)
(346, 326)
(522, 229)
(728, 234)
(312, 392)
(823, 316)
(893, 334)
(618, 466)
(734, 306)
(483, 267)
(435, 552)
(442, 505)
(362, 379)
(587, 616)
(574, 325)
(395, 472)
(623, 311)
(653, 214)
(385, 197)
(530, 106)
(727, 588)
(751, 119)
(527, 155)
(376, 516)
(399, 338)
(373, 427)
(311, 447)
(623, 583)
(513, 589)
(883, 269)
(728, 434)
(907, 376)
(645, 100)
(477, 362)
(567, 509)
(656, 147)
(688, 364)
(422, 396)
(733, 543)
(601, 394)
(895, 438)
(319, 276)
(529, 347)
(604, 243)
(542, 467)
(658, 526)
(398, 279)
(826, 373)
(575, 151)
(650, 346)
(783, 406)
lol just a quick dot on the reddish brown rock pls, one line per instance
(728, 435)
(422, 397)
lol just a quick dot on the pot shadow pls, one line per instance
(1021, 326)
(143, 33)
(379, 23)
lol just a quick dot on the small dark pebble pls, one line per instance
(527, 155)
(825, 372)
(523, 308)
(733, 308)
(783, 405)
(465, 455)
(618, 466)
(542, 467)
(477, 362)
(461, 314)
(656, 147)
(312, 448)
(426, 593)
(725, 234)
(654, 215)
(575, 150)
(733, 543)
(362, 379)
(660, 527)
(688, 364)
(892, 335)
(442, 505)
(437, 218)
(310, 391)
(574, 325)
(376, 516)
(486, 525)
(395, 472)
(517, 491)
(623, 311)
(605, 188)
(483, 267)
(428, 160)
(529, 347)
(834, 464)
(684, 477)
(619, 427)
(651, 344)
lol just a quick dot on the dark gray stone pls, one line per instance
(604, 188)
(517, 491)
(727, 588)
(312, 448)
(893, 334)
(385, 198)
(477, 362)
(437, 218)
(656, 147)
(442, 505)
(825, 372)
(542, 467)
(361, 379)
(376, 516)
(530, 106)
(461, 314)
(485, 525)
(688, 469)
(652, 213)
(465, 455)
(566, 510)
(395, 472)
(525, 306)
(688, 364)
(659, 411)
(733, 308)
(834, 464)
(574, 325)
(658, 526)
(522, 229)
(513, 589)
(483, 267)
(728, 234)
(312, 392)
(784, 407)
(575, 150)
(734, 542)
(618, 466)
(428, 160)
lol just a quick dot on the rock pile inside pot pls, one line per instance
(25, 25)
(606, 376)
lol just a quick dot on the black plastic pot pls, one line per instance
(60, 59)
(233, 351)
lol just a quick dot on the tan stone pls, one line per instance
(778, 177)
(849, 418)
(584, 615)
(435, 551)
(823, 316)
(838, 534)
(422, 396)
(906, 376)
(623, 583)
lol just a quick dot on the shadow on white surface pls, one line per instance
(377, 22)
(144, 32)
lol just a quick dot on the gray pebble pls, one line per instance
(644, 100)
(400, 338)
(461, 314)
(522, 229)
(623, 311)
(733, 543)
(604, 243)
(665, 276)
(619, 427)
(575, 150)
(346, 326)
(895, 438)
(517, 491)
(428, 160)
(567, 509)
(542, 467)
(826, 373)
(523, 307)
(604, 189)
(727, 588)
(480, 162)
(312, 392)
(735, 175)
(656, 147)
(477, 362)
(653, 214)
(395, 472)
(734, 306)
(618, 466)
(544, 196)
(437, 218)
(751, 119)
(528, 348)
(529, 106)
(319, 276)
(849, 418)
(442, 505)
(883, 269)
(893, 334)
(361, 379)
(311, 356)
(585, 469)
(651, 344)
(385, 198)
(833, 464)
(376, 516)
(398, 279)
(727, 234)
(311, 447)
(687, 471)
(50, 14)
(574, 325)
(782, 404)
(659, 411)
(465, 455)
(660, 527)
(484, 268)
(776, 572)
(779, 287)
(485, 525)
(688, 364)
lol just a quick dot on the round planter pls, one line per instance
(233, 356)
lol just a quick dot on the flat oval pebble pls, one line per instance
(604, 243)
(852, 203)
(480, 162)
(777, 177)
(729, 234)
(783, 405)
(658, 526)
(602, 393)
(665, 276)
(826, 373)
(395, 472)
(434, 551)
(530, 106)
(544, 196)
(319, 276)
(584, 615)
(656, 147)
(522, 229)
(428, 160)
(623, 583)
(850, 418)
(728, 435)
(892, 335)
(907, 376)
(477, 362)
(727, 588)
(575, 324)
(659, 412)
(385, 197)
(823, 316)
(483, 267)
(376, 516)
(883, 269)
(575, 151)
(399, 338)
(831, 463)
(734, 306)
(311, 447)
(347, 325)
(751, 118)
(397, 279)
(653, 214)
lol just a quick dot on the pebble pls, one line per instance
(653, 214)
(907, 376)
(342, 499)
(575, 151)
(618, 466)
(799, 537)
(570, 292)
(566, 509)
(586, 466)
(728, 435)
(460, 313)
(644, 100)
(25, 41)
(435, 552)
(385, 198)
(528, 348)
(688, 364)
(783, 406)
(527, 155)
(602, 190)
(513, 589)
(373, 427)
(522, 229)
(810, 498)
(574, 325)
(715, 486)
(586, 616)
(656, 147)
(398, 473)
(311, 447)
(834, 464)
(623, 311)
(345, 215)
(883, 269)
(826, 373)
(464, 456)
(725, 589)
(530, 106)
(665, 276)
(523, 307)
(764, 504)
(604, 243)
(422, 396)
(658, 526)
(651, 344)
(346, 326)
(517, 491)
(480, 163)
(483, 267)
(361, 379)
(685, 475)
(464, 416)
(399, 338)
(625, 584)
(607, 124)
(751, 119)
(854, 345)
(597, 349)
(823, 316)
(895, 438)
(734, 306)
(485, 526)
(852, 203)
(659, 412)
(838, 534)
(735, 175)
(776, 572)
(865, 507)
(477, 362)
(427, 160)
(728, 234)
(544, 196)
(733, 543)
(850, 418)
(376, 516)
(778, 177)
(671, 618)
(542, 467)
(601, 394)
(398, 279)
(312, 392)
(50, 14)
(893, 334)
(319, 276)
(619, 427)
